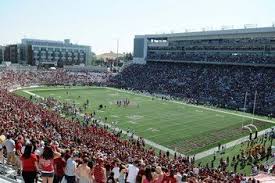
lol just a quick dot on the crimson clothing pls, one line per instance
(59, 165)
(99, 173)
(169, 179)
(46, 165)
(29, 164)
(18, 147)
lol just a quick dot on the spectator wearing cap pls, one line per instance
(10, 146)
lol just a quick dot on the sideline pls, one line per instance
(158, 146)
(148, 142)
(173, 101)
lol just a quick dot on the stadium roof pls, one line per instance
(246, 31)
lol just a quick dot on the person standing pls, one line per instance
(29, 164)
(70, 170)
(132, 172)
(84, 172)
(10, 146)
(59, 168)
(100, 172)
(46, 164)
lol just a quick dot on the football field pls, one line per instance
(187, 128)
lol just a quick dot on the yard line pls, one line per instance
(198, 155)
(196, 106)
(148, 142)
(173, 101)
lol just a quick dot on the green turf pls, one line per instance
(174, 125)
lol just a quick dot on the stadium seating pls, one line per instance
(38, 124)
(217, 85)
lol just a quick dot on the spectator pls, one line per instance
(70, 170)
(100, 171)
(84, 172)
(10, 146)
(132, 172)
(46, 164)
(59, 168)
(29, 164)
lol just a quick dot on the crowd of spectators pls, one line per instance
(217, 85)
(40, 140)
(238, 51)
(12, 79)
(238, 58)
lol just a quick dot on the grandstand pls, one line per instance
(249, 46)
(53, 119)
(189, 83)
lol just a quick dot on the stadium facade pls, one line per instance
(250, 46)
(1, 54)
(47, 52)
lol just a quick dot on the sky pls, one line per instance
(100, 23)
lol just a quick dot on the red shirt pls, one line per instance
(46, 165)
(29, 164)
(169, 179)
(18, 147)
(59, 165)
(99, 174)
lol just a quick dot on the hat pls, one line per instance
(2, 139)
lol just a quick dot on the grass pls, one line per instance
(187, 128)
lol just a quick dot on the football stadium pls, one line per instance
(190, 107)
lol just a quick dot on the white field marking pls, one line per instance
(152, 130)
(228, 145)
(195, 106)
(173, 101)
(219, 115)
(113, 94)
(132, 122)
(114, 116)
(163, 148)
(135, 117)
(148, 142)
(33, 94)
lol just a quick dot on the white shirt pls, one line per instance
(70, 167)
(116, 172)
(132, 173)
(196, 171)
(10, 145)
(179, 177)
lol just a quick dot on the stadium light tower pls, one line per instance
(117, 46)
(244, 106)
(254, 105)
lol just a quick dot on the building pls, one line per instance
(41, 52)
(14, 53)
(249, 46)
(1, 54)
(46, 52)
(110, 56)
